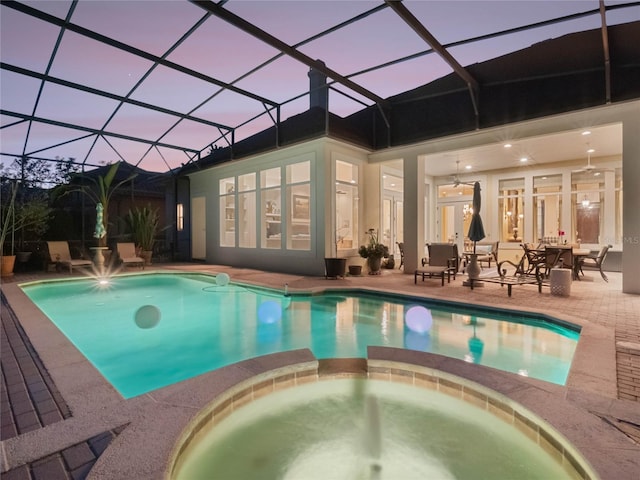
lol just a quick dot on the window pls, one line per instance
(511, 206)
(347, 197)
(547, 204)
(227, 212)
(298, 178)
(587, 200)
(271, 201)
(247, 211)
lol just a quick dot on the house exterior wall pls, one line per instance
(310, 262)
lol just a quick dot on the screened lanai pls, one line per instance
(160, 84)
(173, 87)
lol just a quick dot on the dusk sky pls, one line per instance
(219, 50)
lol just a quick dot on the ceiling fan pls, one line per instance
(589, 167)
(456, 179)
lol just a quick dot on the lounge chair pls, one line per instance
(595, 261)
(59, 254)
(127, 254)
(443, 260)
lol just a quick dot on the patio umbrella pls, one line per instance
(476, 230)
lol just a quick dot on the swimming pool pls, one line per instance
(146, 331)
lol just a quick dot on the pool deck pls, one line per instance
(61, 419)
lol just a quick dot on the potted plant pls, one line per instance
(144, 225)
(374, 252)
(335, 266)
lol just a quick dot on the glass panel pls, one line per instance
(588, 207)
(392, 183)
(247, 219)
(299, 172)
(271, 218)
(399, 227)
(299, 217)
(587, 221)
(346, 216)
(447, 223)
(547, 204)
(227, 185)
(227, 220)
(247, 182)
(453, 191)
(386, 221)
(346, 172)
(270, 178)
(511, 206)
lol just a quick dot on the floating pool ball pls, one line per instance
(419, 319)
(269, 312)
(222, 279)
(147, 316)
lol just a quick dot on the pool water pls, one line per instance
(363, 429)
(143, 332)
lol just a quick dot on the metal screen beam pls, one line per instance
(95, 131)
(423, 33)
(129, 49)
(269, 39)
(605, 48)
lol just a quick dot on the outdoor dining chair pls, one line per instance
(595, 261)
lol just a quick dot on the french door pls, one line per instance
(453, 222)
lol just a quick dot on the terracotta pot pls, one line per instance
(7, 264)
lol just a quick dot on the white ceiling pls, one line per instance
(606, 141)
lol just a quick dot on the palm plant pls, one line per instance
(100, 190)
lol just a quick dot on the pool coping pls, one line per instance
(162, 414)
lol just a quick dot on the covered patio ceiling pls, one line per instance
(159, 84)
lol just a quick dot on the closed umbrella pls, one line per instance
(476, 233)
(476, 230)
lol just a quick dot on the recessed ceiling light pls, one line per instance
(507, 145)
(524, 159)
(596, 174)
(591, 150)
(586, 132)
(468, 167)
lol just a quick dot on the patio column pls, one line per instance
(631, 202)
(413, 211)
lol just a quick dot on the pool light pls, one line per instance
(419, 319)
(269, 312)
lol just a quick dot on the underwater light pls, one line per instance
(419, 319)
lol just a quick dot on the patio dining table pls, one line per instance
(570, 256)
